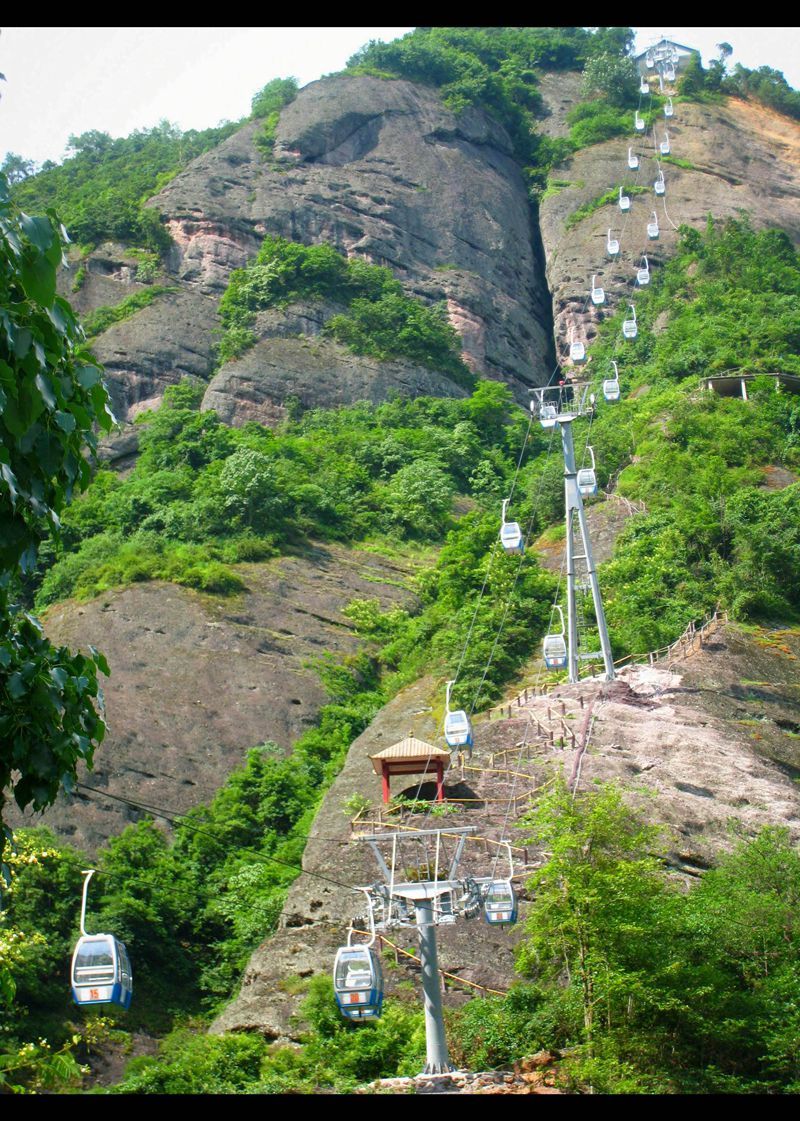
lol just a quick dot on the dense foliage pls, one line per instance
(494, 68)
(266, 106)
(766, 85)
(645, 985)
(653, 988)
(728, 301)
(377, 318)
(203, 496)
(51, 396)
(100, 190)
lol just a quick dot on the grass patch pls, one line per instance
(598, 203)
(99, 320)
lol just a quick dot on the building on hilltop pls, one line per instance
(663, 52)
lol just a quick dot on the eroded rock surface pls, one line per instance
(318, 373)
(743, 156)
(382, 171)
(198, 680)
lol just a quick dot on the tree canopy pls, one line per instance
(51, 396)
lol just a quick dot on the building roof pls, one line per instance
(667, 42)
(410, 749)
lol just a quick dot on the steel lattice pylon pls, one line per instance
(560, 405)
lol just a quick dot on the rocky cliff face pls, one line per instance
(380, 170)
(196, 680)
(742, 157)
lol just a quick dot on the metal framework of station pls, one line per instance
(411, 757)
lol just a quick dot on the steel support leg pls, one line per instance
(438, 1059)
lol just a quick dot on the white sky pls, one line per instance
(71, 79)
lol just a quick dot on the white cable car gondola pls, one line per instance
(587, 478)
(643, 274)
(598, 294)
(577, 351)
(629, 328)
(668, 109)
(457, 726)
(358, 977)
(624, 201)
(500, 899)
(652, 228)
(548, 415)
(660, 186)
(644, 86)
(100, 970)
(669, 73)
(633, 159)
(510, 533)
(664, 146)
(554, 647)
(612, 245)
(638, 122)
(611, 385)
(649, 61)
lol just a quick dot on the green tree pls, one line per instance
(51, 396)
(16, 168)
(599, 902)
(273, 96)
(614, 77)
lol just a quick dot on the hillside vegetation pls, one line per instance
(644, 984)
(711, 534)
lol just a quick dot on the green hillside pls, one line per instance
(643, 983)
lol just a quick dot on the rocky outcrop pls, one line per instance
(157, 346)
(382, 171)
(102, 278)
(317, 374)
(197, 680)
(742, 158)
(698, 742)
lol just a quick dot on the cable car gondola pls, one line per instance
(629, 328)
(668, 109)
(457, 726)
(554, 647)
(652, 228)
(611, 385)
(660, 186)
(100, 970)
(624, 201)
(644, 86)
(598, 295)
(548, 415)
(612, 245)
(669, 73)
(500, 899)
(510, 533)
(633, 159)
(577, 351)
(643, 274)
(638, 122)
(587, 478)
(358, 977)
(664, 146)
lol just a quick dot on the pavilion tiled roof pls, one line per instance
(409, 749)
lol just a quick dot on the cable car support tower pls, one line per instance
(560, 405)
(421, 888)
